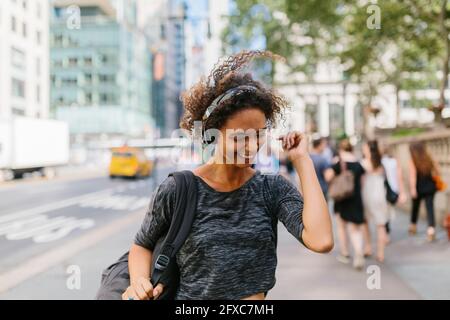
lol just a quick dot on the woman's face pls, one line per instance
(241, 137)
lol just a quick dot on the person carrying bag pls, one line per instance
(164, 269)
(343, 185)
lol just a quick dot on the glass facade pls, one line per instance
(100, 74)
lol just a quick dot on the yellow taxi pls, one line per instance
(129, 162)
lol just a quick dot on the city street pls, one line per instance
(43, 223)
(48, 228)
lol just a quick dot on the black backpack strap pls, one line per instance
(180, 226)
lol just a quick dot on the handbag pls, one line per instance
(391, 195)
(440, 184)
(343, 185)
(164, 269)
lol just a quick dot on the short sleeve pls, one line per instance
(336, 168)
(289, 206)
(158, 216)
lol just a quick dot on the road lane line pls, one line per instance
(45, 261)
(54, 206)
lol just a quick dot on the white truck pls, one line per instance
(32, 144)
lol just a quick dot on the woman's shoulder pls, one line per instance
(167, 187)
(274, 178)
(278, 184)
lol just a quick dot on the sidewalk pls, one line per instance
(414, 269)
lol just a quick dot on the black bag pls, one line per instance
(164, 269)
(391, 195)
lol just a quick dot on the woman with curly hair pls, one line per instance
(230, 252)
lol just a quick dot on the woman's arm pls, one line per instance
(139, 264)
(412, 179)
(329, 175)
(317, 232)
(401, 185)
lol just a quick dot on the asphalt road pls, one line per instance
(39, 216)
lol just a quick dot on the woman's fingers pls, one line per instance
(140, 291)
(291, 140)
(157, 291)
(147, 287)
(130, 294)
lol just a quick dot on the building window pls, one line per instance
(24, 29)
(88, 61)
(88, 78)
(38, 37)
(18, 58)
(38, 94)
(69, 81)
(73, 62)
(38, 66)
(38, 10)
(18, 88)
(107, 78)
(24, 4)
(103, 98)
(88, 98)
(58, 40)
(13, 24)
(58, 63)
(18, 111)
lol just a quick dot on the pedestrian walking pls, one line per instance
(230, 252)
(422, 186)
(394, 177)
(376, 207)
(321, 164)
(349, 211)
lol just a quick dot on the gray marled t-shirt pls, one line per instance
(231, 250)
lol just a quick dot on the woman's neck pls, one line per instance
(224, 176)
(347, 156)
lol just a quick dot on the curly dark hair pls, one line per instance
(225, 76)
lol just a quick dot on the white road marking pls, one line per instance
(43, 262)
(34, 224)
(53, 206)
(116, 202)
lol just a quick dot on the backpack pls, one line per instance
(164, 268)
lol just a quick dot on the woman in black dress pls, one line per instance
(350, 211)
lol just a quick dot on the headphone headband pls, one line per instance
(231, 93)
